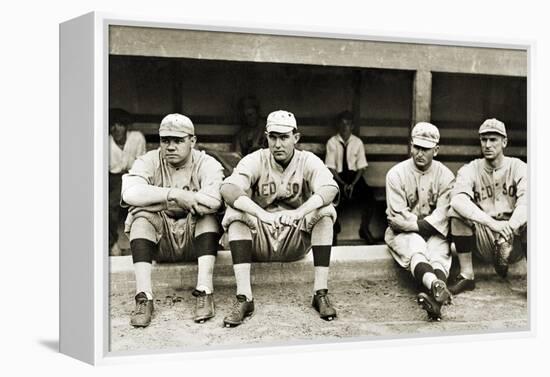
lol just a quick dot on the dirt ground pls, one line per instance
(284, 314)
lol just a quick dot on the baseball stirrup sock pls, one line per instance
(424, 273)
(207, 244)
(242, 276)
(142, 271)
(440, 274)
(142, 250)
(321, 278)
(464, 244)
(241, 251)
(205, 274)
(321, 255)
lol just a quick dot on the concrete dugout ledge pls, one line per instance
(348, 263)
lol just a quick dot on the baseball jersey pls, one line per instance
(497, 191)
(120, 160)
(422, 194)
(355, 153)
(202, 173)
(271, 186)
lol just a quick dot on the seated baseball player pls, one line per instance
(173, 194)
(346, 161)
(279, 206)
(489, 208)
(418, 195)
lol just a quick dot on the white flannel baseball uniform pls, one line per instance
(274, 188)
(419, 195)
(174, 227)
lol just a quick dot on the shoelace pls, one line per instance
(201, 301)
(141, 307)
(324, 300)
(236, 310)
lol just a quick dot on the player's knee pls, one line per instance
(238, 230)
(322, 231)
(207, 224)
(142, 228)
(460, 228)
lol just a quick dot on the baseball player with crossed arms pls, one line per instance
(489, 208)
(279, 205)
(173, 194)
(418, 196)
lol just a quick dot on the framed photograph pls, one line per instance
(243, 188)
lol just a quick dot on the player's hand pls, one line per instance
(503, 228)
(270, 218)
(185, 199)
(400, 225)
(290, 217)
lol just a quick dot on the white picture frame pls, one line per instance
(84, 277)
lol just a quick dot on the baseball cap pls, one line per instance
(176, 125)
(493, 125)
(425, 135)
(280, 121)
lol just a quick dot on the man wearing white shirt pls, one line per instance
(125, 146)
(347, 162)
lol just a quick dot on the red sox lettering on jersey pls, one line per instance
(496, 191)
(269, 185)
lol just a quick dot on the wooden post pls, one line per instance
(356, 100)
(422, 97)
(177, 86)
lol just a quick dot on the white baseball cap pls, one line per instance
(425, 135)
(493, 125)
(281, 121)
(176, 125)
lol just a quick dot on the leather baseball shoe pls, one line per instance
(430, 305)
(322, 304)
(440, 292)
(241, 309)
(204, 306)
(462, 284)
(141, 316)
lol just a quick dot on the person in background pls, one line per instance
(347, 162)
(125, 146)
(251, 136)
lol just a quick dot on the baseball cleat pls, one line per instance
(241, 309)
(141, 316)
(440, 292)
(322, 304)
(204, 306)
(462, 284)
(430, 305)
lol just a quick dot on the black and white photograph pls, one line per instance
(271, 189)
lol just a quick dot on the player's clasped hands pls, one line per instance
(281, 218)
(290, 217)
(503, 228)
(186, 199)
